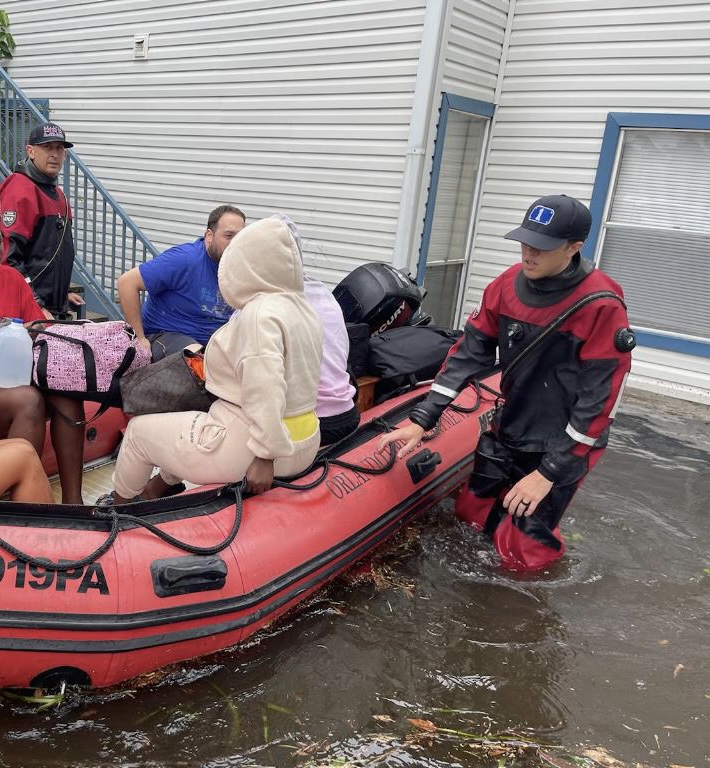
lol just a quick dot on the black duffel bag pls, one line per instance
(173, 383)
(403, 356)
(359, 338)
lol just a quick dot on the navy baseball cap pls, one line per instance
(47, 133)
(553, 221)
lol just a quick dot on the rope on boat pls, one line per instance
(476, 386)
(116, 519)
(183, 545)
(325, 464)
(66, 565)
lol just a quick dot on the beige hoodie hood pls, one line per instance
(266, 360)
(262, 258)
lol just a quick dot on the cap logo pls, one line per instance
(541, 214)
(52, 132)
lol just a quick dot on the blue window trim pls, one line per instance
(615, 123)
(448, 102)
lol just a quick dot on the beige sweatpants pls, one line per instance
(195, 446)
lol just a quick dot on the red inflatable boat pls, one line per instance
(97, 596)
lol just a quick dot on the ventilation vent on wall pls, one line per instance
(140, 46)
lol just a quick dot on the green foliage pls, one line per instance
(7, 42)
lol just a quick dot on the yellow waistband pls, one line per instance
(302, 426)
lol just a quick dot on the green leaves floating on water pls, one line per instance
(37, 698)
(279, 708)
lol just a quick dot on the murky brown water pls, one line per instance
(609, 652)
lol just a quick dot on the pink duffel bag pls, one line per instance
(85, 360)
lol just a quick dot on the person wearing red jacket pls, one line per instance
(36, 221)
(560, 395)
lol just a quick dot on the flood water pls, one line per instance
(445, 660)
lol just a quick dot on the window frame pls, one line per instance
(607, 168)
(470, 106)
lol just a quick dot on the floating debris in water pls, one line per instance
(35, 697)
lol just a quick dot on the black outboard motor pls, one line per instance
(379, 295)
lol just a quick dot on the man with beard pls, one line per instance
(184, 305)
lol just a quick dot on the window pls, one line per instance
(458, 155)
(651, 200)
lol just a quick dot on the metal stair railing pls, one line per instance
(107, 242)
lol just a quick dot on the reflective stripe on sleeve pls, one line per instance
(579, 437)
(445, 391)
(618, 397)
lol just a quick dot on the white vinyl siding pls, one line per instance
(471, 60)
(473, 51)
(670, 373)
(307, 107)
(568, 64)
(302, 107)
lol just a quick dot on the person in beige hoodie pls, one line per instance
(263, 366)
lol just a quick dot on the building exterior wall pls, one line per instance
(302, 107)
(313, 108)
(469, 62)
(567, 65)
(472, 55)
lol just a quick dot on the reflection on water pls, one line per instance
(608, 650)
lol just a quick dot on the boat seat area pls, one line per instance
(98, 471)
(97, 480)
(366, 392)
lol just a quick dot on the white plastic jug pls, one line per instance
(15, 354)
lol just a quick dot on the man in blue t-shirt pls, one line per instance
(184, 305)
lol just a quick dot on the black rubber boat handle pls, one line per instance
(184, 575)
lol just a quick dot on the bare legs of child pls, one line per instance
(22, 474)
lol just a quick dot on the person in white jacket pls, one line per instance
(263, 366)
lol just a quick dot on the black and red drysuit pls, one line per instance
(559, 400)
(36, 230)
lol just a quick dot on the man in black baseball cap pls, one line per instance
(48, 133)
(553, 230)
(36, 221)
(559, 329)
(36, 240)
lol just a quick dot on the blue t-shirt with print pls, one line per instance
(183, 294)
